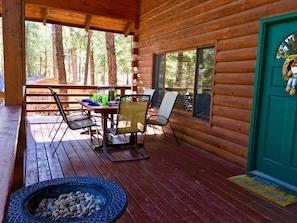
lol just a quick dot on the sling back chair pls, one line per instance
(79, 113)
(131, 119)
(149, 91)
(74, 124)
(164, 113)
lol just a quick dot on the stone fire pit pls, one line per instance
(24, 202)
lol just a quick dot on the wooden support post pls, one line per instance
(14, 50)
(13, 24)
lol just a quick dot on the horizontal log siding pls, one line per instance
(168, 26)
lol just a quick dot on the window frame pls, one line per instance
(161, 90)
(157, 72)
(198, 61)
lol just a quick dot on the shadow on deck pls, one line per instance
(176, 184)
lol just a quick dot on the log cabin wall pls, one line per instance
(232, 26)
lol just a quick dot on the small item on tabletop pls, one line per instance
(100, 93)
(104, 99)
(111, 94)
(95, 98)
(112, 103)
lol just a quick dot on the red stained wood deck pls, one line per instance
(176, 184)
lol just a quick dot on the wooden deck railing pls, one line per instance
(10, 136)
(40, 100)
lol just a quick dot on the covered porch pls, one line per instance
(178, 183)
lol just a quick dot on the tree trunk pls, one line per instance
(111, 58)
(60, 55)
(29, 70)
(73, 59)
(45, 63)
(92, 67)
(54, 53)
(73, 63)
(87, 57)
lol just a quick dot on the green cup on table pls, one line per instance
(95, 98)
(104, 100)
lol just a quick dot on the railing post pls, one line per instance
(123, 91)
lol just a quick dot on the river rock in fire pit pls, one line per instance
(91, 199)
(68, 206)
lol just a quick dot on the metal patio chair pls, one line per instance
(79, 113)
(162, 118)
(131, 119)
(82, 122)
(149, 91)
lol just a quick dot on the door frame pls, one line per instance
(258, 89)
(258, 83)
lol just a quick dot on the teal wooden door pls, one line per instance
(273, 140)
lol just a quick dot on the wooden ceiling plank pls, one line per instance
(75, 19)
(88, 22)
(44, 15)
(73, 24)
(125, 10)
(128, 28)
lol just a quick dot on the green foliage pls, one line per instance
(180, 67)
(123, 53)
(39, 52)
(208, 58)
(38, 49)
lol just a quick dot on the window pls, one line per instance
(180, 77)
(203, 85)
(158, 74)
(179, 72)
(288, 46)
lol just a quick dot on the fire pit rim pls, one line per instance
(115, 204)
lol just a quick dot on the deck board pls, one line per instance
(176, 184)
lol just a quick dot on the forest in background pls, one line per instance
(85, 55)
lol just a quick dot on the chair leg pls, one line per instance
(163, 131)
(56, 132)
(146, 133)
(97, 133)
(135, 140)
(54, 126)
(60, 141)
(154, 129)
(173, 133)
(136, 149)
(90, 133)
(144, 137)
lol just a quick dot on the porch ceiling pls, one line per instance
(106, 15)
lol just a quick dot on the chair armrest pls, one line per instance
(78, 109)
(157, 120)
